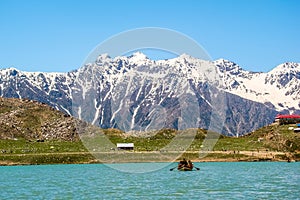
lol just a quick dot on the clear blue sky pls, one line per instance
(57, 35)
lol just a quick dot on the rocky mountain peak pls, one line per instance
(288, 67)
(225, 66)
(264, 93)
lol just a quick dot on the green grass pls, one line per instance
(48, 152)
(273, 138)
(240, 144)
(22, 146)
(47, 159)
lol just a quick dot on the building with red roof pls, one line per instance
(287, 119)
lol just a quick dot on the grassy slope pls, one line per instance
(23, 149)
(272, 139)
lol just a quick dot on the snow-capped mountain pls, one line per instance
(51, 88)
(279, 88)
(137, 93)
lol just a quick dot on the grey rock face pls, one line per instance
(141, 94)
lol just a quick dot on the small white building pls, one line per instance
(125, 146)
(297, 130)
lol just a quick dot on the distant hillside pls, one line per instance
(23, 123)
(34, 121)
(277, 138)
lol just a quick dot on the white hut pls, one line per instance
(125, 146)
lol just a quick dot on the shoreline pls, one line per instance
(140, 157)
(4, 164)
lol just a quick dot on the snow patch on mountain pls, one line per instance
(280, 86)
(102, 81)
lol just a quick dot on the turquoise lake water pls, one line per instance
(236, 180)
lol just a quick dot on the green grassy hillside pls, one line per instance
(34, 133)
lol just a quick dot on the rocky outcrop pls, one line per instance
(34, 121)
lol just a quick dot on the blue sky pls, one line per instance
(57, 35)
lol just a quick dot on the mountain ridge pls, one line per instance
(250, 89)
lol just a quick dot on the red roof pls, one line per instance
(288, 116)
